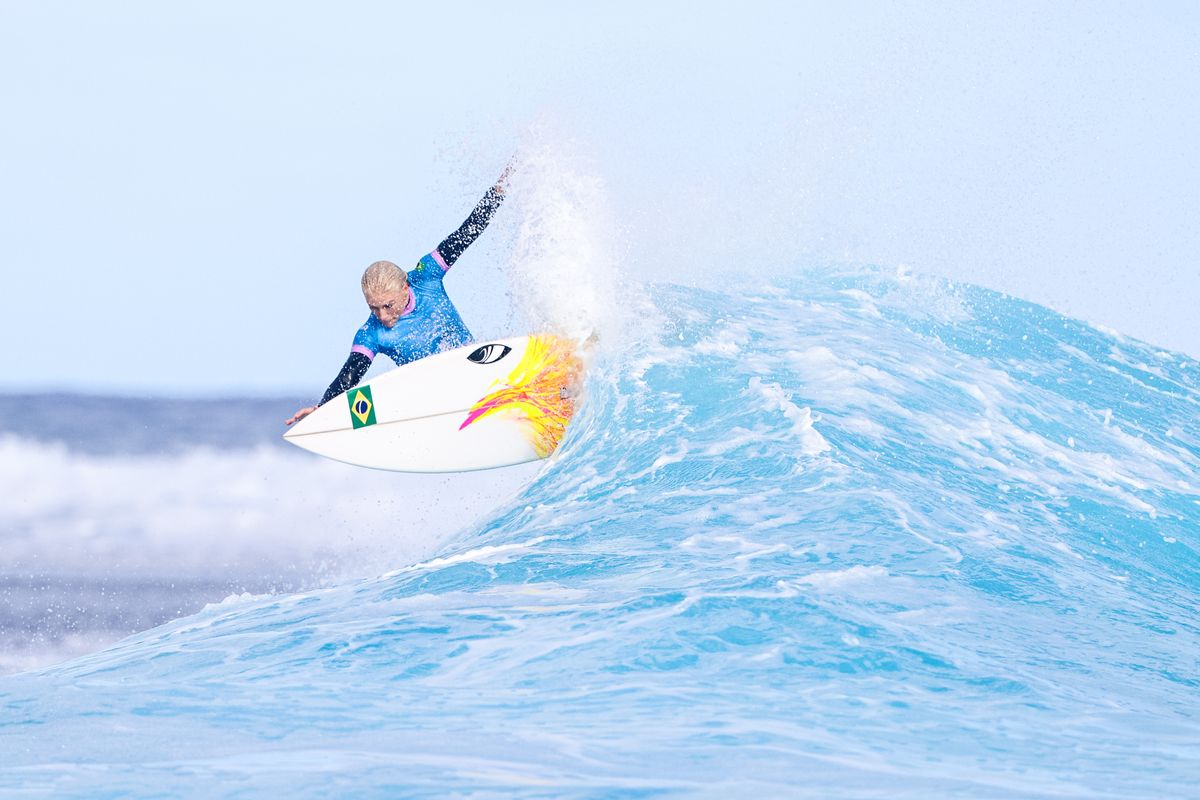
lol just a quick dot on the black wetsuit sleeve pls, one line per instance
(453, 245)
(352, 372)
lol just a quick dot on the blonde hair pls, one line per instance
(381, 277)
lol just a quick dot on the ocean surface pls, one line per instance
(857, 533)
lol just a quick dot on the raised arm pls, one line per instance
(453, 245)
(352, 372)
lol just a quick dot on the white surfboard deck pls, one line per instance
(489, 404)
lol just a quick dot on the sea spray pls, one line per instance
(564, 268)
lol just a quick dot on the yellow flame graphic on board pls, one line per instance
(539, 390)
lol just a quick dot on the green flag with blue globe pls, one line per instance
(362, 407)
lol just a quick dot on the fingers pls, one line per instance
(299, 415)
(502, 181)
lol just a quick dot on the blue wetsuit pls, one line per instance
(430, 324)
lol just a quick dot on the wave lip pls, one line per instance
(868, 536)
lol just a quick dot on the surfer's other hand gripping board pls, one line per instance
(489, 404)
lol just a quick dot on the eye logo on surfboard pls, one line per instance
(362, 407)
(489, 353)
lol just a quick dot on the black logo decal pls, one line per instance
(489, 353)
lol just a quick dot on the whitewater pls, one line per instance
(853, 533)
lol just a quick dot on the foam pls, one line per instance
(248, 513)
(811, 442)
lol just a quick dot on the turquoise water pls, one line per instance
(859, 535)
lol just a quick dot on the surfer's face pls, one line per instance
(387, 306)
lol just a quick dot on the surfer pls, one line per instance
(411, 315)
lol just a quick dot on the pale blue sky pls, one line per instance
(188, 191)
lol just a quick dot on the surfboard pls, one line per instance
(490, 404)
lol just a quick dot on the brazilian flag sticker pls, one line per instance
(362, 407)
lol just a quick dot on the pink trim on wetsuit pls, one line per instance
(358, 348)
(412, 302)
(441, 261)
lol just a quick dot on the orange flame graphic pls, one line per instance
(539, 390)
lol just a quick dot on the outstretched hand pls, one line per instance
(502, 181)
(299, 415)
